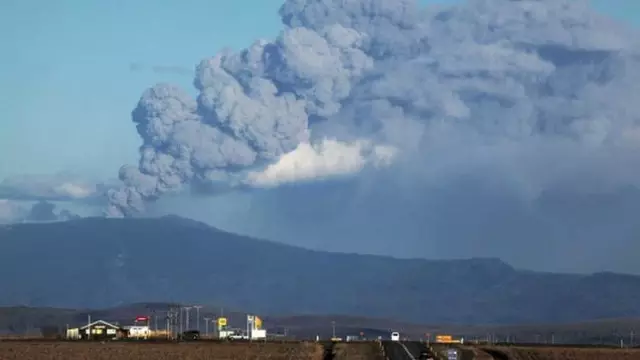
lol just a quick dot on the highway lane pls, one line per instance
(411, 350)
(415, 348)
(408, 350)
(395, 350)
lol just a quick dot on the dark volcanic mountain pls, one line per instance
(106, 262)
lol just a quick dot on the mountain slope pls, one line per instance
(105, 262)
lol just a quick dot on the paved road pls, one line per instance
(409, 350)
(394, 351)
(415, 348)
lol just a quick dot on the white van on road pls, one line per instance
(395, 336)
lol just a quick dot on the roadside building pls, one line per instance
(254, 328)
(138, 332)
(97, 330)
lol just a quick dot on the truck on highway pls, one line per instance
(395, 336)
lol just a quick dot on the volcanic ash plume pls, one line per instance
(356, 83)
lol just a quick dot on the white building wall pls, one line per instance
(257, 334)
(73, 334)
(140, 332)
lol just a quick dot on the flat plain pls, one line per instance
(201, 350)
(561, 353)
(358, 351)
(36, 350)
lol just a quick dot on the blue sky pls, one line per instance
(67, 86)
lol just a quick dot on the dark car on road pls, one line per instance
(425, 355)
(190, 335)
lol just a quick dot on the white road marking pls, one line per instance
(407, 351)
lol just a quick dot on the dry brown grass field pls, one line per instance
(33, 350)
(561, 353)
(358, 351)
(19, 337)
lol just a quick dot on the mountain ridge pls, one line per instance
(108, 262)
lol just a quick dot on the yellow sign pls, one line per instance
(444, 338)
(258, 323)
(222, 322)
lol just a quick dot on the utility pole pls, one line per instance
(248, 328)
(172, 322)
(206, 325)
(155, 321)
(166, 319)
(333, 328)
(177, 317)
(169, 323)
(186, 309)
(198, 307)
(631, 338)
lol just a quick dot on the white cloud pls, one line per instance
(47, 187)
(76, 191)
(328, 158)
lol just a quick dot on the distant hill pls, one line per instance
(97, 263)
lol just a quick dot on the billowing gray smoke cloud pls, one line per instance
(253, 107)
(492, 102)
